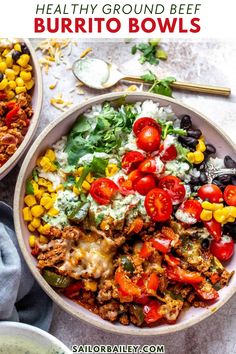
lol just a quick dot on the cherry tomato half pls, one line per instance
(169, 154)
(211, 192)
(131, 160)
(125, 186)
(158, 204)
(230, 195)
(145, 184)
(214, 228)
(152, 165)
(140, 123)
(223, 249)
(174, 187)
(102, 190)
(149, 139)
(189, 212)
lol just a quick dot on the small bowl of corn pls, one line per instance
(20, 100)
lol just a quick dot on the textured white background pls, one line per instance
(210, 62)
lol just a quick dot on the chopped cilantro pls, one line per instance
(151, 52)
(161, 87)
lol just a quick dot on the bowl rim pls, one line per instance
(36, 330)
(14, 159)
(105, 325)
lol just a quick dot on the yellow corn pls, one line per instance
(198, 157)
(23, 60)
(190, 157)
(10, 94)
(27, 215)
(86, 186)
(90, 178)
(3, 67)
(3, 84)
(44, 229)
(232, 211)
(50, 154)
(39, 193)
(79, 171)
(16, 69)
(19, 82)
(221, 215)
(206, 215)
(230, 219)
(25, 75)
(212, 206)
(27, 68)
(5, 52)
(37, 211)
(90, 285)
(20, 89)
(35, 187)
(12, 84)
(45, 163)
(9, 61)
(17, 47)
(76, 190)
(53, 212)
(54, 196)
(31, 228)
(47, 202)
(36, 222)
(201, 145)
(32, 241)
(111, 169)
(43, 240)
(30, 200)
(10, 74)
(29, 84)
(43, 182)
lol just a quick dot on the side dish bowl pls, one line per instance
(61, 127)
(37, 97)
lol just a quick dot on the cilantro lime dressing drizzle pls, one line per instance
(92, 72)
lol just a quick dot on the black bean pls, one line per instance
(24, 49)
(16, 55)
(230, 229)
(185, 122)
(203, 177)
(188, 141)
(233, 180)
(205, 243)
(229, 162)
(210, 149)
(195, 181)
(1, 76)
(224, 179)
(202, 166)
(195, 133)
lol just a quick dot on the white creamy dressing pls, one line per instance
(185, 217)
(10, 344)
(92, 71)
(55, 177)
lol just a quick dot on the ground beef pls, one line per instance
(107, 291)
(72, 233)
(51, 257)
(109, 311)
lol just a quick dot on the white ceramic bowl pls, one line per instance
(37, 98)
(50, 135)
(30, 338)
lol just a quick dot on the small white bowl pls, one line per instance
(31, 339)
(37, 99)
(53, 132)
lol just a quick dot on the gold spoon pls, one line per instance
(88, 70)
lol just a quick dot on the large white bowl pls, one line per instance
(50, 135)
(37, 98)
(20, 333)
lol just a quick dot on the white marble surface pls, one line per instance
(210, 62)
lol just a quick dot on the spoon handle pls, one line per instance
(187, 86)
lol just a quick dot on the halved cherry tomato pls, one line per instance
(140, 123)
(211, 192)
(131, 160)
(125, 283)
(183, 276)
(223, 249)
(169, 154)
(125, 186)
(206, 291)
(102, 190)
(230, 195)
(161, 244)
(146, 250)
(174, 187)
(149, 139)
(158, 204)
(152, 311)
(189, 212)
(152, 165)
(214, 228)
(145, 184)
(134, 176)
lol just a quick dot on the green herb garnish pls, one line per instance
(161, 87)
(151, 52)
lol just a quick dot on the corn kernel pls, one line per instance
(16, 69)
(44, 229)
(79, 171)
(51, 188)
(36, 222)
(9, 61)
(37, 211)
(43, 240)
(90, 285)
(27, 215)
(53, 212)
(201, 145)
(17, 47)
(20, 89)
(30, 200)
(45, 163)
(230, 219)
(32, 241)
(23, 60)
(19, 82)
(190, 157)
(90, 178)
(29, 84)
(212, 206)
(111, 169)
(27, 68)
(3, 84)
(26, 76)
(35, 187)
(221, 215)
(10, 74)
(76, 190)
(232, 211)
(198, 157)
(50, 154)
(86, 185)
(31, 228)
(43, 182)
(5, 52)
(47, 202)
(206, 215)
(10, 95)
(3, 67)
(12, 84)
